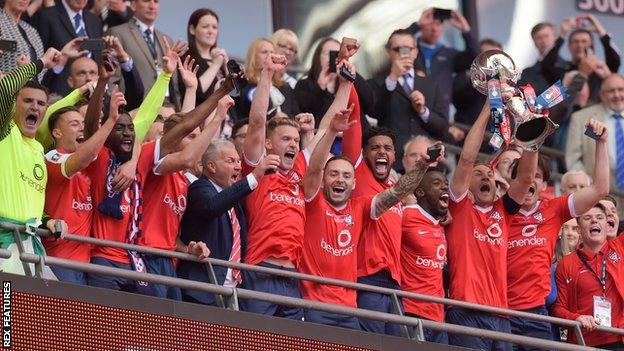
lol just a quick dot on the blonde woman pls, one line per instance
(282, 98)
(287, 44)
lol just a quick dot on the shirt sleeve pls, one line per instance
(44, 135)
(561, 306)
(148, 111)
(9, 86)
(390, 84)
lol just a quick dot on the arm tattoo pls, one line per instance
(405, 186)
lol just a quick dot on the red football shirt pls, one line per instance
(477, 251)
(330, 247)
(276, 214)
(576, 286)
(164, 202)
(104, 226)
(380, 245)
(530, 251)
(69, 199)
(423, 255)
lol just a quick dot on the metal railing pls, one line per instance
(235, 293)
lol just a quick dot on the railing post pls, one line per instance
(398, 310)
(233, 302)
(213, 279)
(20, 250)
(579, 335)
(39, 267)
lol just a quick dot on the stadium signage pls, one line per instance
(606, 7)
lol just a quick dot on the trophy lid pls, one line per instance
(489, 63)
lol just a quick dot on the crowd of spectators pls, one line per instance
(139, 139)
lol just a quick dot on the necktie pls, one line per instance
(80, 30)
(405, 85)
(235, 255)
(619, 147)
(150, 42)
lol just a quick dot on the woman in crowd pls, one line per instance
(12, 27)
(315, 92)
(282, 95)
(287, 44)
(202, 32)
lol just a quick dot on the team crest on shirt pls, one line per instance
(496, 215)
(614, 257)
(346, 219)
(55, 157)
(538, 216)
(349, 220)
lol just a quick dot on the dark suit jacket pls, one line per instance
(312, 99)
(56, 29)
(393, 109)
(535, 76)
(133, 42)
(206, 219)
(243, 103)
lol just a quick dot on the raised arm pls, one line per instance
(148, 111)
(193, 119)
(188, 74)
(106, 70)
(404, 186)
(89, 149)
(587, 197)
(11, 83)
(527, 166)
(463, 172)
(192, 153)
(352, 137)
(314, 174)
(44, 136)
(253, 148)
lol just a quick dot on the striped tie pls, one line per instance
(619, 147)
(235, 255)
(405, 85)
(80, 30)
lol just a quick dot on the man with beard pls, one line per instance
(477, 237)
(589, 282)
(23, 176)
(533, 236)
(276, 208)
(334, 221)
(380, 243)
(119, 214)
(423, 249)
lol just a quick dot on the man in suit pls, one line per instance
(406, 102)
(145, 44)
(440, 62)
(214, 215)
(57, 26)
(543, 35)
(580, 150)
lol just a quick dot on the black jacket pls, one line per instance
(393, 109)
(206, 219)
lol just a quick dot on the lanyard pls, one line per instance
(602, 280)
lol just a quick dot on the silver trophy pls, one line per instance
(531, 129)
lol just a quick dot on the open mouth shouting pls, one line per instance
(485, 188)
(289, 155)
(381, 165)
(338, 189)
(611, 224)
(234, 177)
(595, 230)
(80, 138)
(444, 200)
(126, 145)
(31, 120)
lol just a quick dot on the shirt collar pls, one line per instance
(144, 26)
(190, 177)
(424, 213)
(610, 112)
(71, 12)
(219, 189)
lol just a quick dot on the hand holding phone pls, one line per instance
(589, 131)
(441, 14)
(434, 152)
(8, 45)
(93, 45)
(333, 56)
(239, 81)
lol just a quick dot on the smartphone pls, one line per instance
(441, 14)
(239, 82)
(404, 51)
(93, 45)
(333, 55)
(434, 152)
(581, 22)
(344, 72)
(590, 133)
(8, 45)
(589, 52)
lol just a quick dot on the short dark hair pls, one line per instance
(238, 125)
(339, 157)
(536, 28)
(172, 121)
(543, 163)
(611, 199)
(33, 84)
(375, 131)
(401, 31)
(491, 42)
(579, 31)
(56, 115)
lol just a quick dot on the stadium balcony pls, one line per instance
(40, 314)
